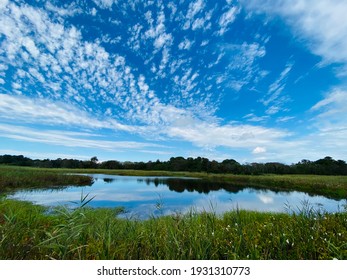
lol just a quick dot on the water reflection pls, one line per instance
(141, 196)
(108, 180)
(181, 185)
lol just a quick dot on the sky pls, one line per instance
(254, 81)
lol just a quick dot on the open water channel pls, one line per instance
(143, 197)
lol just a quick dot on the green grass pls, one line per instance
(28, 232)
(13, 178)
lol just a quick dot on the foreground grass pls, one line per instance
(12, 178)
(28, 232)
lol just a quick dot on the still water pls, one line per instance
(147, 196)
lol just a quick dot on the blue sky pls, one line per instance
(146, 80)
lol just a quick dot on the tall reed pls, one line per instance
(28, 232)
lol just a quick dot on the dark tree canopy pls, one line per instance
(324, 166)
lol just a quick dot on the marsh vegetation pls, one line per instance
(30, 231)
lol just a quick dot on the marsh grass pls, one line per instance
(14, 178)
(28, 232)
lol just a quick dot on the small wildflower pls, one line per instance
(287, 241)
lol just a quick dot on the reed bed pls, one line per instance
(14, 178)
(28, 232)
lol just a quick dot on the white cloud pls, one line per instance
(185, 44)
(135, 39)
(195, 8)
(284, 119)
(266, 199)
(75, 82)
(273, 110)
(322, 23)
(31, 47)
(282, 78)
(105, 4)
(44, 111)
(335, 101)
(68, 139)
(227, 18)
(162, 40)
(259, 150)
(173, 7)
(59, 65)
(273, 98)
(198, 23)
(327, 132)
(164, 61)
(253, 118)
(203, 22)
(158, 32)
(331, 114)
(43, 155)
(243, 65)
(69, 10)
(3, 3)
(93, 12)
(204, 43)
(211, 135)
(163, 121)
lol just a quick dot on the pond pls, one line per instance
(143, 197)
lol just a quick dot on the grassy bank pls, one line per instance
(12, 178)
(329, 186)
(27, 232)
(28, 177)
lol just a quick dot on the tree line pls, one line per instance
(324, 166)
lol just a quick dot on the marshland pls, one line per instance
(78, 230)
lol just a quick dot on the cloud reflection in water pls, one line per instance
(140, 196)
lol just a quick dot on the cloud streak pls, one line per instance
(321, 23)
(69, 139)
(44, 111)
